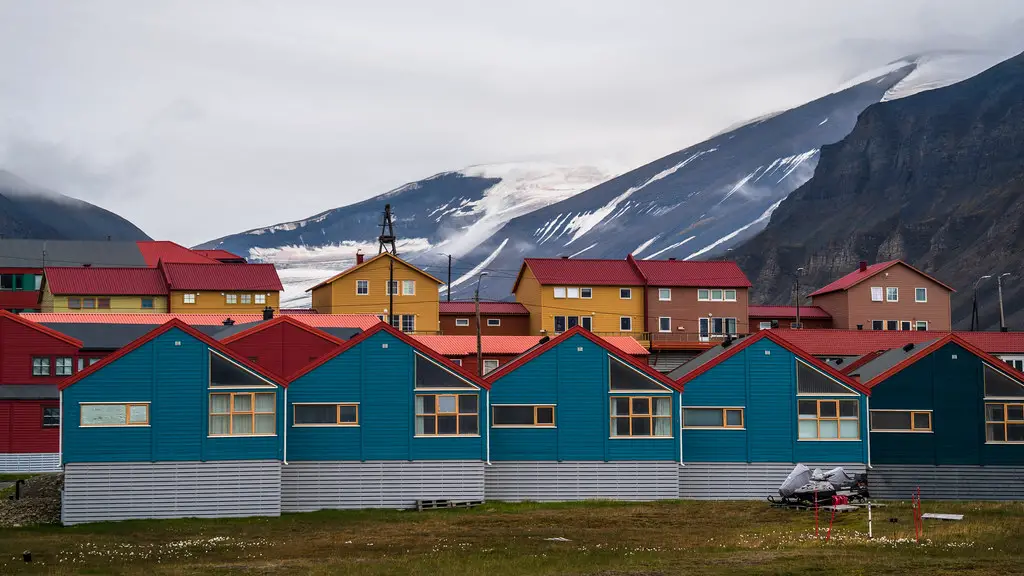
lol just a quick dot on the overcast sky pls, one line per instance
(196, 119)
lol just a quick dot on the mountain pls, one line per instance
(936, 179)
(28, 211)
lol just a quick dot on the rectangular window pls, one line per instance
(901, 421)
(625, 293)
(572, 292)
(93, 361)
(890, 325)
(75, 303)
(120, 414)
(494, 321)
(1004, 422)
(81, 364)
(765, 325)
(231, 298)
(1016, 363)
(730, 326)
(828, 419)
(408, 322)
(261, 298)
(712, 417)
(877, 325)
(457, 361)
(717, 295)
(703, 295)
(40, 366)
(905, 325)
(664, 294)
(189, 299)
(246, 298)
(408, 287)
(51, 417)
(103, 303)
(718, 325)
(523, 415)
(89, 303)
(571, 321)
(730, 295)
(625, 324)
(6, 281)
(243, 414)
(490, 365)
(447, 415)
(876, 293)
(147, 303)
(344, 414)
(391, 287)
(922, 325)
(362, 287)
(641, 416)
(586, 293)
(559, 324)
(463, 322)
(664, 324)
(892, 294)
(920, 294)
(559, 292)
(587, 322)
(64, 366)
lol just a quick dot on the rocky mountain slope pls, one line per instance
(936, 179)
(28, 211)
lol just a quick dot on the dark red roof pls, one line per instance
(828, 342)
(283, 320)
(40, 328)
(222, 277)
(581, 272)
(219, 255)
(154, 251)
(105, 281)
(490, 308)
(773, 335)
(949, 337)
(640, 365)
(787, 312)
(856, 277)
(695, 273)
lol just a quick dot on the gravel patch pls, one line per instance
(39, 503)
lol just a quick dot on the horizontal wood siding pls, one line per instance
(605, 306)
(283, 349)
(340, 379)
(19, 344)
(893, 481)
(862, 310)
(118, 304)
(546, 481)
(744, 481)
(214, 302)
(21, 427)
(771, 407)
(510, 325)
(423, 304)
(684, 309)
(23, 463)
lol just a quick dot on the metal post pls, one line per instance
(1002, 318)
(870, 535)
(976, 316)
(448, 288)
(391, 292)
(798, 271)
(479, 344)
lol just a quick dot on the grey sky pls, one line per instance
(196, 119)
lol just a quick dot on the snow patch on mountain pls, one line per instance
(479, 267)
(669, 247)
(763, 218)
(332, 256)
(942, 69)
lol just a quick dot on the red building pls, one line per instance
(33, 360)
(284, 345)
(496, 318)
(766, 317)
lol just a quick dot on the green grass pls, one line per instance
(13, 477)
(503, 539)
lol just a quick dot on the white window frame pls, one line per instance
(877, 329)
(462, 322)
(630, 319)
(721, 295)
(586, 293)
(559, 292)
(392, 287)
(245, 299)
(189, 298)
(877, 294)
(41, 366)
(362, 287)
(63, 366)
(662, 330)
(490, 364)
(627, 291)
(408, 287)
(909, 325)
(664, 294)
(589, 320)
(918, 323)
(888, 298)
(925, 299)
(401, 322)
(572, 292)
(765, 325)
(493, 322)
(1015, 361)
(231, 298)
(260, 298)
(707, 295)
(456, 361)
(725, 294)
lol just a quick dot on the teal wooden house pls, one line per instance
(172, 425)
(947, 418)
(576, 418)
(383, 421)
(755, 407)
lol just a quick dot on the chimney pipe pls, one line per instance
(672, 258)
(565, 257)
(863, 265)
(359, 257)
(228, 322)
(268, 313)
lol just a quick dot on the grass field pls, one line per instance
(497, 539)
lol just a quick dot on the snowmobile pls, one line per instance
(806, 487)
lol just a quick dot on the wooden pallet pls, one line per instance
(422, 505)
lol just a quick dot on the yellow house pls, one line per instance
(363, 289)
(604, 296)
(222, 288)
(106, 290)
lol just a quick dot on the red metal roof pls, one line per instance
(856, 277)
(827, 342)
(696, 273)
(361, 321)
(355, 267)
(283, 320)
(219, 276)
(218, 255)
(105, 281)
(43, 329)
(490, 308)
(510, 345)
(949, 337)
(154, 251)
(581, 272)
(293, 311)
(640, 365)
(787, 312)
(19, 300)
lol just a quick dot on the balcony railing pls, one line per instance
(686, 337)
(641, 336)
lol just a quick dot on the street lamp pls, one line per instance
(479, 346)
(797, 275)
(975, 320)
(1002, 319)
(448, 286)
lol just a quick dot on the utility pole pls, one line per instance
(798, 271)
(975, 319)
(391, 293)
(448, 288)
(479, 345)
(1002, 318)
(384, 241)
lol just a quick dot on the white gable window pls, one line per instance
(462, 322)
(876, 293)
(892, 294)
(920, 294)
(362, 287)
(559, 291)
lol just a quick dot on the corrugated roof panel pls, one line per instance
(492, 308)
(219, 276)
(787, 312)
(695, 273)
(105, 281)
(583, 271)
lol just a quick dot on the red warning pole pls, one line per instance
(817, 532)
(835, 504)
